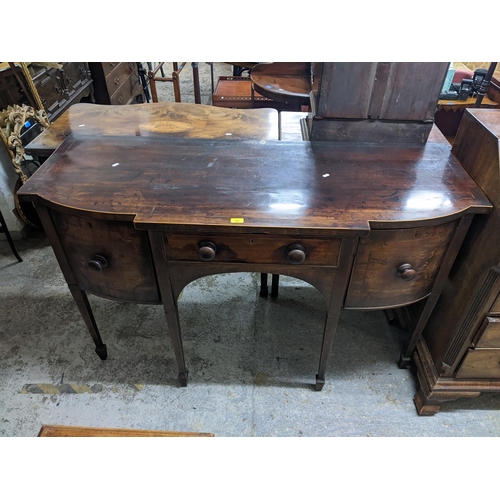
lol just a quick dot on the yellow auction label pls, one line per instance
(237, 220)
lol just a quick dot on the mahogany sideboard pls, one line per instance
(371, 226)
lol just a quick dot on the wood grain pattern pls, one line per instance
(75, 431)
(375, 282)
(488, 336)
(283, 187)
(480, 363)
(128, 274)
(181, 119)
(285, 82)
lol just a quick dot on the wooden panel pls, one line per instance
(480, 363)
(413, 91)
(129, 272)
(488, 336)
(258, 249)
(375, 282)
(495, 309)
(345, 89)
(164, 118)
(278, 187)
(74, 431)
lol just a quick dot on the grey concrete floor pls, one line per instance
(251, 361)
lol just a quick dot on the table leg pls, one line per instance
(333, 312)
(83, 304)
(169, 303)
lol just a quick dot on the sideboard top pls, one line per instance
(255, 185)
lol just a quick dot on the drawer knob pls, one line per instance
(207, 251)
(296, 253)
(98, 262)
(406, 272)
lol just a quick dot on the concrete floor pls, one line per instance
(252, 363)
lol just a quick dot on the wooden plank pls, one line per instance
(76, 431)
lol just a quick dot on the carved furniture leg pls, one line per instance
(83, 304)
(169, 303)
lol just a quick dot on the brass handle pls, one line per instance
(98, 262)
(406, 272)
(207, 251)
(296, 253)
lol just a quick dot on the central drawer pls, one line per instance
(255, 249)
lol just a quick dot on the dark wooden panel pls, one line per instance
(480, 363)
(259, 249)
(375, 282)
(129, 272)
(345, 89)
(413, 91)
(495, 309)
(488, 336)
(288, 187)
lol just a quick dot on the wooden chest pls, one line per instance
(116, 83)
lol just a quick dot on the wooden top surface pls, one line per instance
(283, 80)
(177, 119)
(303, 188)
(490, 118)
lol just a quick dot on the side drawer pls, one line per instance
(397, 267)
(488, 336)
(480, 363)
(110, 259)
(127, 90)
(118, 76)
(257, 249)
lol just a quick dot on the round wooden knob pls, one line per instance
(406, 272)
(207, 251)
(296, 253)
(98, 262)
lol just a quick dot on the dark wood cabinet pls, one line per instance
(116, 83)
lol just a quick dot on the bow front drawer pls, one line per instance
(110, 259)
(397, 267)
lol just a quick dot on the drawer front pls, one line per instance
(256, 249)
(75, 75)
(109, 67)
(126, 273)
(394, 268)
(127, 91)
(51, 89)
(118, 76)
(488, 336)
(480, 363)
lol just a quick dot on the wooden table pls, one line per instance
(136, 218)
(153, 119)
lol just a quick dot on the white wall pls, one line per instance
(8, 179)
